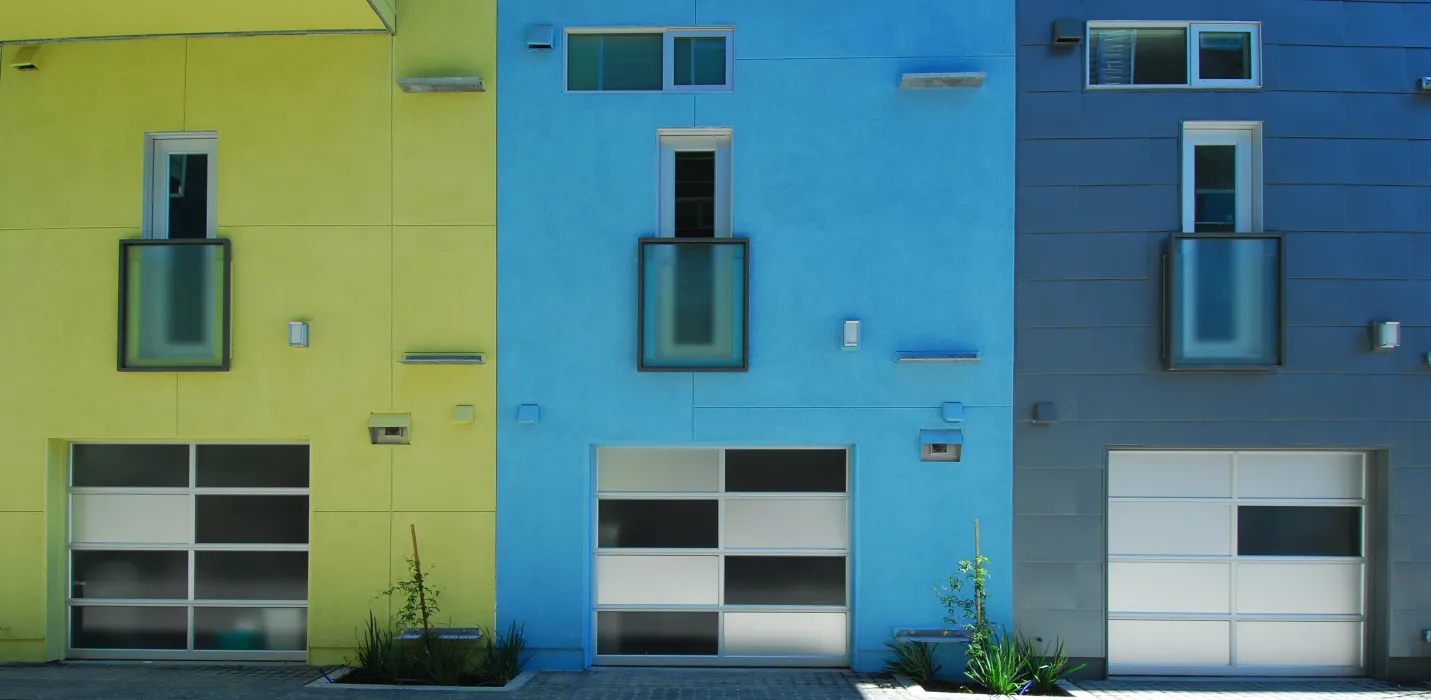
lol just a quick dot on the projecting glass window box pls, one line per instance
(1173, 54)
(649, 60)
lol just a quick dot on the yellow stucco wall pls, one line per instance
(365, 211)
(22, 20)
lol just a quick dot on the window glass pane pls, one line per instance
(821, 471)
(583, 61)
(174, 304)
(1225, 55)
(1299, 531)
(657, 633)
(695, 194)
(1215, 189)
(1226, 301)
(662, 524)
(95, 627)
(630, 62)
(785, 580)
(251, 519)
(143, 466)
(253, 466)
(188, 195)
(251, 575)
(699, 60)
(693, 305)
(251, 629)
(1137, 57)
(134, 574)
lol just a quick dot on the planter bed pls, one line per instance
(345, 679)
(938, 688)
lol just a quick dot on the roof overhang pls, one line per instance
(32, 21)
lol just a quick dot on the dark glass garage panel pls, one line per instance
(1299, 531)
(125, 627)
(252, 466)
(251, 629)
(672, 524)
(764, 471)
(251, 519)
(133, 466)
(129, 574)
(785, 580)
(657, 633)
(251, 575)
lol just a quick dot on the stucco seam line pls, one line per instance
(195, 35)
(880, 58)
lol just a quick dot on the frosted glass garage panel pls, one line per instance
(787, 523)
(1169, 587)
(1169, 642)
(1300, 588)
(1299, 475)
(130, 519)
(657, 469)
(785, 634)
(1169, 529)
(1265, 643)
(657, 580)
(1169, 474)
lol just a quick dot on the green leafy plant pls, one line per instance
(1001, 667)
(445, 661)
(1046, 670)
(965, 600)
(420, 601)
(379, 654)
(503, 656)
(913, 660)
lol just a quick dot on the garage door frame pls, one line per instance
(1366, 506)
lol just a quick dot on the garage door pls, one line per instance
(1236, 562)
(712, 557)
(188, 552)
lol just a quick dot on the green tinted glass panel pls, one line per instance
(174, 301)
(583, 62)
(613, 62)
(700, 60)
(693, 305)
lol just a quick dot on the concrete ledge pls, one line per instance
(918, 690)
(516, 683)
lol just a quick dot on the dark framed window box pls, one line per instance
(1224, 301)
(693, 312)
(174, 305)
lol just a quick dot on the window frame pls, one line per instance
(159, 145)
(225, 321)
(671, 141)
(1194, 67)
(668, 63)
(641, 339)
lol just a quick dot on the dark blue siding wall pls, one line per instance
(1347, 178)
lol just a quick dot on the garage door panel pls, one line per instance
(784, 634)
(658, 470)
(657, 580)
(102, 518)
(1287, 475)
(1266, 643)
(1169, 528)
(1169, 474)
(1169, 587)
(1170, 642)
(1300, 588)
(769, 523)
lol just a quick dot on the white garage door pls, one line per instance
(1236, 562)
(711, 557)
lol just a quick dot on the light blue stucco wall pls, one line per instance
(860, 201)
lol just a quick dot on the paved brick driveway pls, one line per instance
(168, 681)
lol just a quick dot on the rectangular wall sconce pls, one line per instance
(852, 335)
(297, 334)
(941, 445)
(390, 428)
(529, 413)
(1045, 413)
(464, 414)
(26, 58)
(953, 412)
(1424, 84)
(1385, 335)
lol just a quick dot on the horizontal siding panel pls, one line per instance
(1101, 209)
(1273, 397)
(1123, 350)
(1099, 162)
(1058, 492)
(1318, 302)
(1349, 255)
(1342, 69)
(1336, 161)
(1065, 538)
(1409, 489)
(1087, 303)
(1094, 256)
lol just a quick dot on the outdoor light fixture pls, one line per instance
(390, 428)
(298, 334)
(953, 412)
(1424, 84)
(1045, 413)
(529, 413)
(26, 58)
(1385, 335)
(464, 413)
(852, 335)
(941, 445)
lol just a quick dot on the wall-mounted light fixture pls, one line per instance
(529, 413)
(26, 58)
(459, 83)
(953, 412)
(1385, 335)
(1424, 84)
(464, 413)
(941, 445)
(298, 334)
(852, 335)
(541, 37)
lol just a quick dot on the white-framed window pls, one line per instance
(180, 190)
(1174, 54)
(695, 183)
(650, 60)
(1224, 276)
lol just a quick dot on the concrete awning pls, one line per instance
(58, 20)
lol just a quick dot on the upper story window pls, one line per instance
(1174, 54)
(649, 60)
(180, 187)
